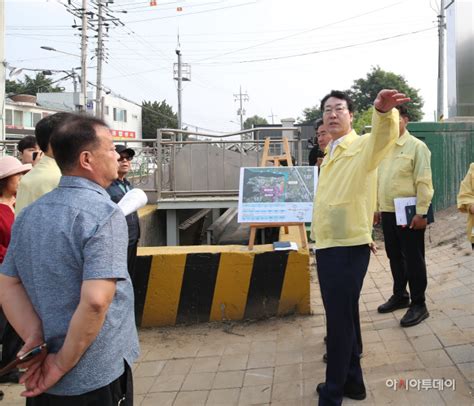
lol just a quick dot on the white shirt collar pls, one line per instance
(334, 144)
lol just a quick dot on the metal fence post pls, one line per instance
(299, 148)
(159, 164)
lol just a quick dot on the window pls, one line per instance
(27, 119)
(36, 118)
(18, 118)
(8, 117)
(120, 115)
(106, 110)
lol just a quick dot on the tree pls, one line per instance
(254, 120)
(157, 115)
(310, 115)
(364, 91)
(32, 86)
(12, 87)
(362, 120)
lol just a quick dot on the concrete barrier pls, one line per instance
(194, 284)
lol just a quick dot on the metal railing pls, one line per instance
(143, 165)
(181, 163)
(209, 164)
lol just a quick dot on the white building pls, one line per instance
(21, 115)
(124, 118)
(22, 112)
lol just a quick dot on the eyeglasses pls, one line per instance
(337, 109)
(125, 158)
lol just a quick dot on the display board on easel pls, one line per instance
(276, 196)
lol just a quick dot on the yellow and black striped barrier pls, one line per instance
(209, 283)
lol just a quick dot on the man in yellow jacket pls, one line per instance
(342, 228)
(406, 172)
(466, 202)
(45, 175)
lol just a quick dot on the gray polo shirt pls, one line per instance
(72, 234)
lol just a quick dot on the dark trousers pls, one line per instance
(116, 393)
(341, 272)
(131, 257)
(406, 251)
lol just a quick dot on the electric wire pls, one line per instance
(322, 50)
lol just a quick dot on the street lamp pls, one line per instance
(57, 50)
(80, 101)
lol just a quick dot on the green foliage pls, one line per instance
(364, 91)
(254, 120)
(311, 114)
(12, 87)
(32, 85)
(362, 120)
(157, 115)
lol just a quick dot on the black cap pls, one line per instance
(122, 148)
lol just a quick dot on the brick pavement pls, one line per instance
(278, 361)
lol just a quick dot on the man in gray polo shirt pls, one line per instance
(64, 280)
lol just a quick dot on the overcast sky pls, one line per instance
(285, 54)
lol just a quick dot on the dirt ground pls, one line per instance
(448, 228)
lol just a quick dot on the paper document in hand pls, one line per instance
(132, 201)
(400, 213)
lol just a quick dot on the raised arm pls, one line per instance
(385, 126)
(387, 99)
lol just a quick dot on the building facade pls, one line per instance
(21, 115)
(123, 117)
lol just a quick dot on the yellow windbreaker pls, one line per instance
(466, 198)
(345, 198)
(406, 172)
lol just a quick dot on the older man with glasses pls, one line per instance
(342, 228)
(117, 191)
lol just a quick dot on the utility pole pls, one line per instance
(2, 69)
(181, 73)
(242, 97)
(272, 116)
(74, 79)
(180, 88)
(441, 28)
(84, 56)
(100, 44)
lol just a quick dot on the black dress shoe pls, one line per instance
(394, 303)
(415, 315)
(351, 391)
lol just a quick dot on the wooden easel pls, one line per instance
(276, 159)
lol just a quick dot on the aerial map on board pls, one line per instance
(277, 194)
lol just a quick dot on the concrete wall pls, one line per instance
(203, 167)
(176, 285)
(460, 58)
(152, 226)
